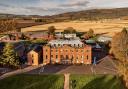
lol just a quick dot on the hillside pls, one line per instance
(99, 15)
(94, 14)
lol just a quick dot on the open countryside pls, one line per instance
(109, 27)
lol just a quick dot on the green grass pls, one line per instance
(33, 82)
(95, 82)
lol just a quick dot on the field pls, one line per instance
(33, 82)
(110, 27)
(95, 82)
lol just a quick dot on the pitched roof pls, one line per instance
(37, 48)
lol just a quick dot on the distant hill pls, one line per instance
(10, 16)
(94, 14)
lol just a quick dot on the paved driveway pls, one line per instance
(103, 67)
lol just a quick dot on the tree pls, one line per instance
(90, 33)
(8, 25)
(10, 57)
(23, 37)
(119, 48)
(39, 41)
(51, 30)
(69, 30)
(38, 20)
(1, 60)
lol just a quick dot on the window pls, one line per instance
(82, 57)
(52, 50)
(66, 56)
(61, 56)
(56, 50)
(46, 57)
(77, 50)
(46, 50)
(87, 57)
(51, 56)
(72, 57)
(72, 50)
(56, 56)
(87, 50)
(54, 45)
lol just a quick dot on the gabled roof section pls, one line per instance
(37, 48)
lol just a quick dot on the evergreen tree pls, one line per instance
(10, 57)
(1, 60)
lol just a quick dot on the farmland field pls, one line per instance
(110, 27)
(95, 82)
(33, 82)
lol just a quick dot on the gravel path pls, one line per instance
(66, 81)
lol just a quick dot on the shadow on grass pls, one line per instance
(33, 82)
(111, 82)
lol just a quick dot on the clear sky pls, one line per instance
(49, 7)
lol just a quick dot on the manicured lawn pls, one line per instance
(95, 82)
(33, 82)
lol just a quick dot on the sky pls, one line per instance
(50, 7)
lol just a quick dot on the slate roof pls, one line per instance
(37, 48)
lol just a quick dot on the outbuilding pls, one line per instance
(34, 56)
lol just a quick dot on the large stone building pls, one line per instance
(67, 52)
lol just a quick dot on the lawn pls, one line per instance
(95, 82)
(33, 82)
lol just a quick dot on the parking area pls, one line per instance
(105, 66)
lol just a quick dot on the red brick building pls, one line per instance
(67, 55)
(63, 51)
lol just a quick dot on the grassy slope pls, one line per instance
(33, 82)
(96, 82)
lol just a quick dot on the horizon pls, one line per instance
(63, 12)
(48, 7)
